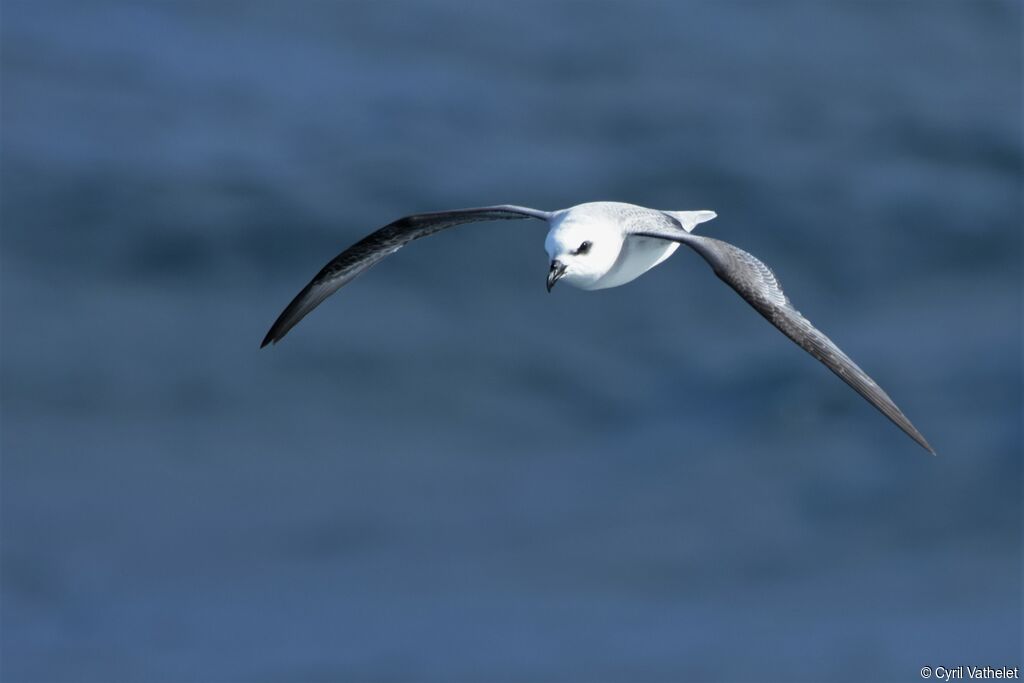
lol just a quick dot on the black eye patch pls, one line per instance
(584, 248)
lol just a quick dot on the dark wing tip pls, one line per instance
(909, 429)
(919, 438)
(304, 302)
(274, 334)
(883, 403)
(278, 329)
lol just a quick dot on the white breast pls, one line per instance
(638, 255)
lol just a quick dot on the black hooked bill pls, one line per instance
(556, 273)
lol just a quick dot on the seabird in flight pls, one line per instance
(606, 244)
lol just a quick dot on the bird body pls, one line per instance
(616, 258)
(598, 245)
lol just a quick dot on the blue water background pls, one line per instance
(445, 473)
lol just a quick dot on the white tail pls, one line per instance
(691, 219)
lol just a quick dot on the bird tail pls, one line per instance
(690, 219)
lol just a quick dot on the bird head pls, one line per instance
(582, 251)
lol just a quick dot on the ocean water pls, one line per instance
(445, 473)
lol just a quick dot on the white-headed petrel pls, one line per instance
(606, 244)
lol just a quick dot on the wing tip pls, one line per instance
(918, 437)
(274, 335)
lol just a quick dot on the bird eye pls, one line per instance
(584, 248)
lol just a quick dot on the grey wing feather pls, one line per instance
(757, 284)
(375, 247)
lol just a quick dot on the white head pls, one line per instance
(583, 247)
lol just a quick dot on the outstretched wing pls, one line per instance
(757, 284)
(378, 245)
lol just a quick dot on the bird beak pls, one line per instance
(556, 273)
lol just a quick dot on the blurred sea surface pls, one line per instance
(445, 473)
